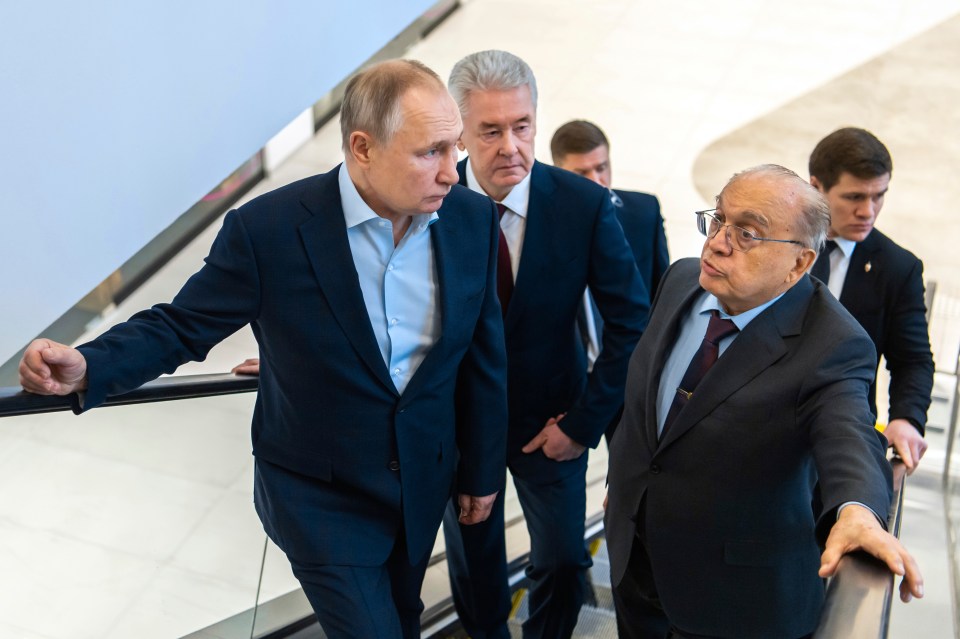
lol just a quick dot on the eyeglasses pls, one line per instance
(741, 239)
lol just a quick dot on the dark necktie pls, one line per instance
(504, 269)
(821, 268)
(705, 357)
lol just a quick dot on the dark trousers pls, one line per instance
(375, 602)
(380, 602)
(476, 556)
(639, 614)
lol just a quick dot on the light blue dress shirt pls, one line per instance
(399, 284)
(692, 330)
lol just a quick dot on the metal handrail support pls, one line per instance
(952, 426)
(859, 596)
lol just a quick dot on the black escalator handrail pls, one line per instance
(859, 595)
(15, 401)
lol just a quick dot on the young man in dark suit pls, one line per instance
(748, 386)
(371, 292)
(878, 281)
(559, 234)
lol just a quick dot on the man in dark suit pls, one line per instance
(371, 293)
(880, 283)
(708, 522)
(582, 147)
(559, 234)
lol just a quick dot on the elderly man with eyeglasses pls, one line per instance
(748, 386)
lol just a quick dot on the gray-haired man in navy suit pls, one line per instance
(559, 234)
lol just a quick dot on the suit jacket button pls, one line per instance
(655, 469)
(394, 465)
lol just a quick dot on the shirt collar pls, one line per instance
(517, 199)
(356, 211)
(845, 245)
(709, 303)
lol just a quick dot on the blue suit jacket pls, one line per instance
(327, 408)
(643, 227)
(730, 533)
(572, 240)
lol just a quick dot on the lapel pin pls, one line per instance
(867, 267)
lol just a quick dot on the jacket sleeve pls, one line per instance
(661, 256)
(624, 304)
(907, 351)
(222, 297)
(850, 458)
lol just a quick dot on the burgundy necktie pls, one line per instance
(705, 357)
(504, 269)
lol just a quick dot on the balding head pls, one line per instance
(371, 102)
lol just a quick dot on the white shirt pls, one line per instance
(840, 264)
(514, 220)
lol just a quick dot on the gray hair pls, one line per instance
(814, 219)
(490, 70)
(371, 101)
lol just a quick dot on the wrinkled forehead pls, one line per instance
(764, 200)
(429, 108)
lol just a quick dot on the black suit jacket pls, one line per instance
(327, 407)
(888, 300)
(572, 240)
(643, 227)
(731, 536)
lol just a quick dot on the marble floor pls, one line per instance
(138, 521)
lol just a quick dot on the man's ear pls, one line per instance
(815, 183)
(805, 260)
(460, 144)
(360, 147)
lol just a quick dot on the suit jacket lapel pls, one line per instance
(757, 348)
(659, 360)
(856, 285)
(450, 272)
(536, 242)
(325, 240)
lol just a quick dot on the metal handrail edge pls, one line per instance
(14, 401)
(859, 596)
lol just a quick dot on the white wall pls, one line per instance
(116, 117)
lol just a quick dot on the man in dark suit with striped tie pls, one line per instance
(748, 386)
(879, 282)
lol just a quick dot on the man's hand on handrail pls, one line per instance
(51, 368)
(907, 441)
(857, 528)
(249, 366)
